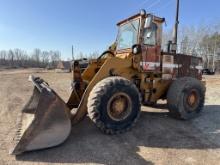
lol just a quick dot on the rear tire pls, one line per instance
(185, 98)
(114, 105)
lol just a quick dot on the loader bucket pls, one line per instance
(44, 121)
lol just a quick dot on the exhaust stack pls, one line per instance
(175, 30)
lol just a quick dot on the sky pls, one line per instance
(88, 25)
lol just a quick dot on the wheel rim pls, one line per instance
(192, 99)
(119, 106)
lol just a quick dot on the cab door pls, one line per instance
(150, 49)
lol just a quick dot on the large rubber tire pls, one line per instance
(100, 97)
(178, 98)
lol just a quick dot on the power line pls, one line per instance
(153, 4)
(150, 5)
(165, 5)
(143, 3)
(72, 52)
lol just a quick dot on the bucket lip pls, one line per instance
(18, 149)
(20, 143)
(20, 146)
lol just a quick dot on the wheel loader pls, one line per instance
(133, 72)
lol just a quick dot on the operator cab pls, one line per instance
(141, 35)
(130, 31)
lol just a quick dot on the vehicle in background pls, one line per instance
(83, 63)
(208, 72)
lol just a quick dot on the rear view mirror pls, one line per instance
(148, 21)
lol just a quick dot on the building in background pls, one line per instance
(64, 66)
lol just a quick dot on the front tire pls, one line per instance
(114, 105)
(185, 98)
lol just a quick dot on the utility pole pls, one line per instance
(72, 53)
(207, 48)
(213, 59)
(175, 32)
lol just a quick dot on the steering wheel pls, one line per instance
(106, 52)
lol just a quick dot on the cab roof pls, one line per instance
(157, 19)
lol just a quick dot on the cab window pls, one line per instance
(150, 35)
(128, 35)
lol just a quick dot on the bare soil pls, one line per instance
(156, 139)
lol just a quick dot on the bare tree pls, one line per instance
(94, 55)
(3, 57)
(45, 58)
(11, 58)
(55, 56)
(20, 58)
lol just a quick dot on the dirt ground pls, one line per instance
(156, 139)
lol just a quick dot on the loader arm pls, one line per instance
(110, 64)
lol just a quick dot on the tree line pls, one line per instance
(202, 41)
(20, 58)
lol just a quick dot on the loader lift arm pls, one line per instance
(120, 67)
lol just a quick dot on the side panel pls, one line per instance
(180, 65)
(188, 66)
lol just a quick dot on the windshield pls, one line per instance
(128, 35)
